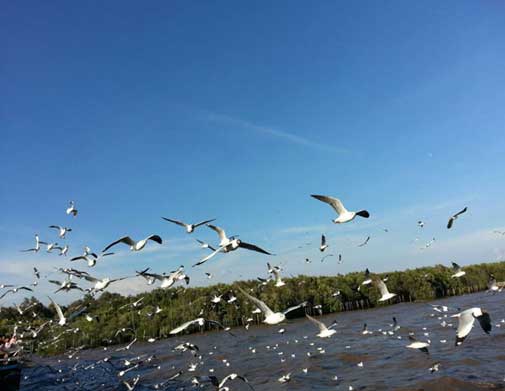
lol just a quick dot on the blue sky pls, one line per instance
(239, 112)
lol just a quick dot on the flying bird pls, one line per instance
(71, 209)
(454, 217)
(270, 316)
(415, 344)
(383, 289)
(37, 245)
(167, 280)
(189, 227)
(365, 242)
(458, 271)
(200, 321)
(323, 245)
(276, 271)
(344, 215)
(134, 246)
(90, 258)
(467, 318)
(62, 231)
(324, 332)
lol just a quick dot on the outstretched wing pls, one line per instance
(184, 326)
(220, 231)
(253, 248)
(175, 222)
(260, 304)
(203, 222)
(295, 307)
(320, 325)
(208, 256)
(154, 238)
(335, 203)
(125, 239)
(58, 310)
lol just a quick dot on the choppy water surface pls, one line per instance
(479, 364)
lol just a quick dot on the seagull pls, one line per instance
(66, 285)
(454, 217)
(131, 386)
(465, 322)
(228, 244)
(383, 290)
(62, 320)
(324, 332)
(36, 273)
(189, 227)
(271, 317)
(276, 271)
(323, 245)
(435, 367)
(37, 245)
(166, 280)
(134, 246)
(502, 233)
(62, 231)
(90, 258)
(200, 321)
(420, 224)
(344, 215)
(233, 376)
(63, 250)
(101, 284)
(458, 272)
(415, 344)
(365, 242)
(15, 290)
(209, 275)
(71, 209)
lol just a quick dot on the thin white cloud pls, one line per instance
(286, 136)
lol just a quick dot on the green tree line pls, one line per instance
(111, 325)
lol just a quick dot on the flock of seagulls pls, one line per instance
(227, 244)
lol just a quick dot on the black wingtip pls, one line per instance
(363, 213)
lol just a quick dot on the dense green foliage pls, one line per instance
(182, 304)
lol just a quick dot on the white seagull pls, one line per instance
(465, 322)
(344, 215)
(458, 272)
(167, 280)
(324, 332)
(454, 217)
(415, 344)
(90, 258)
(232, 243)
(386, 295)
(323, 245)
(276, 271)
(200, 321)
(134, 246)
(270, 316)
(62, 231)
(62, 320)
(71, 209)
(101, 284)
(189, 227)
(37, 245)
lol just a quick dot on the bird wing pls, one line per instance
(383, 289)
(155, 238)
(455, 266)
(260, 304)
(485, 322)
(55, 226)
(460, 212)
(216, 323)
(6, 292)
(220, 231)
(90, 278)
(320, 325)
(203, 222)
(79, 257)
(58, 309)
(365, 242)
(124, 239)
(54, 282)
(335, 203)
(175, 222)
(323, 240)
(184, 326)
(449, 223)
(234, 376)
(295, 307)
(465, 325)
(253, 248)
(208, 256)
